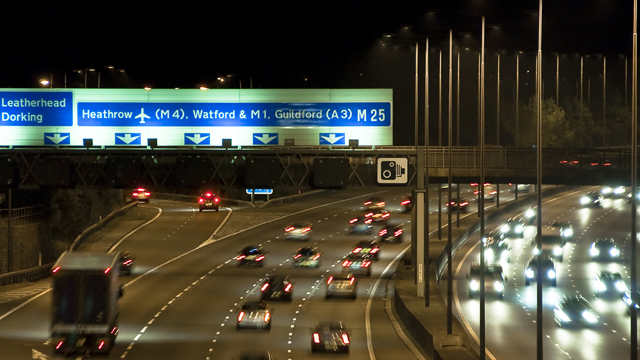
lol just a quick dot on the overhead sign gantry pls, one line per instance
(123, 117)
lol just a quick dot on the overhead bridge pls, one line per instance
(290, 169)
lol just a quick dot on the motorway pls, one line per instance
(181, 301)
(511, 323)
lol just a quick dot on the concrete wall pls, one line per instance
(27, 243)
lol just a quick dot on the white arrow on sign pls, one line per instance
(197, 139)
(265, 138)
(332, 138)
(56, 138)
(127, 138)
(35, 354)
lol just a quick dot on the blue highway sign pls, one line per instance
(57, 138)
(332, 139)
(197, 139)
(37, 108)
(265, 138)
(128, 139)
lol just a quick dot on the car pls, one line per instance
(494, 280)
(456, 204)
(592, 199)
(547, 269)
(367, 247)
(574, 311)
(552, 243)
(566, 229)
(357, 264)
(360, 225)
(208, 200)
(490, 193)
(530, 215)
(251, 255)
(496, 234)
(604, 249)
(254, 314)
(298, 231)
(521, 188)
(255, 356)
(609, 283)
(342, 285)
(141, 194)
(330, 336)
(307, 257)
(374, 203)
(496, 251)
(513, 227)
(126, 263)
(379, 215)
(445, 186)
(407, 204)
(630, 197)
(613, 192)
(276, 288)
(391, 233)
(626, 297)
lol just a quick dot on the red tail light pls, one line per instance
(240, 257)
(384, 216)
(352, 221)
(474, 184)
(297, 256)
(563, 161)
(346, 263)
(307, 229)
(55, 270)
(107, 270)
(352, 280)
(289, 228)
(368, 221)
(141, 189)
(368, 214)
(127, 262)
(330, 280)
(147, 193)
(383, 232)
(397, 233)
(316, 257)
(208, 194)
(345, 338)
(464, 203)
(101, 345)
(357, 250)
(366, 263)
(288, 287)
(405, 202)
(59, 345)
(607, 164)
(264, 287)
(367, 202)
(240, 316)
(260, 258)
(382, 203)
(267, 316)
(493, 192)
(316, 338)
(201, 201)
(374, 250)
(135, 194)
(216, 200)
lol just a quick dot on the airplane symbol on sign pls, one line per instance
(142, 116)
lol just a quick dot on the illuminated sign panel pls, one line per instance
(38, 108)
(234, 114)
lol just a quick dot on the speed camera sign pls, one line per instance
(392, 170)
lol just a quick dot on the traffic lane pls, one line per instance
(27, 329)
(550, 296)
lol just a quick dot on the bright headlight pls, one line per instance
(504, 256)
(594, 251)
(557, 251)
(473, 285)
(488, 254)
(600, 286)
(620, 190)
(567, 232)
(519, 229)
(627, 299)
(621, 286)
(614, 252)
(529, 273)
(498, 286)
(505, 228)
(536, 251)
(529, 213)
(561, 315)
(606, 190)
(584, 200)
(551, 274)
(589, 316)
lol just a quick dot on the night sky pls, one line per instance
(308, 45)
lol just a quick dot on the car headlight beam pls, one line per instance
(551, 274)
(529, 273)
(589, 317)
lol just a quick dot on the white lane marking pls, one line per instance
(136, 229)
(367, 318)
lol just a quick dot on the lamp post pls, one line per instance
(634, 175)
(538, 187)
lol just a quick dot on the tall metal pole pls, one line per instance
(440, 102)
(604, 100)
(449, 235)
(458, 103)
(481, 202)
(517, 95)
(416, 104)
(426, 178)
(498, 109)
(558, 79)
(539, 307)
(634, 175)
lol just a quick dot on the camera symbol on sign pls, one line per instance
(391, 170)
